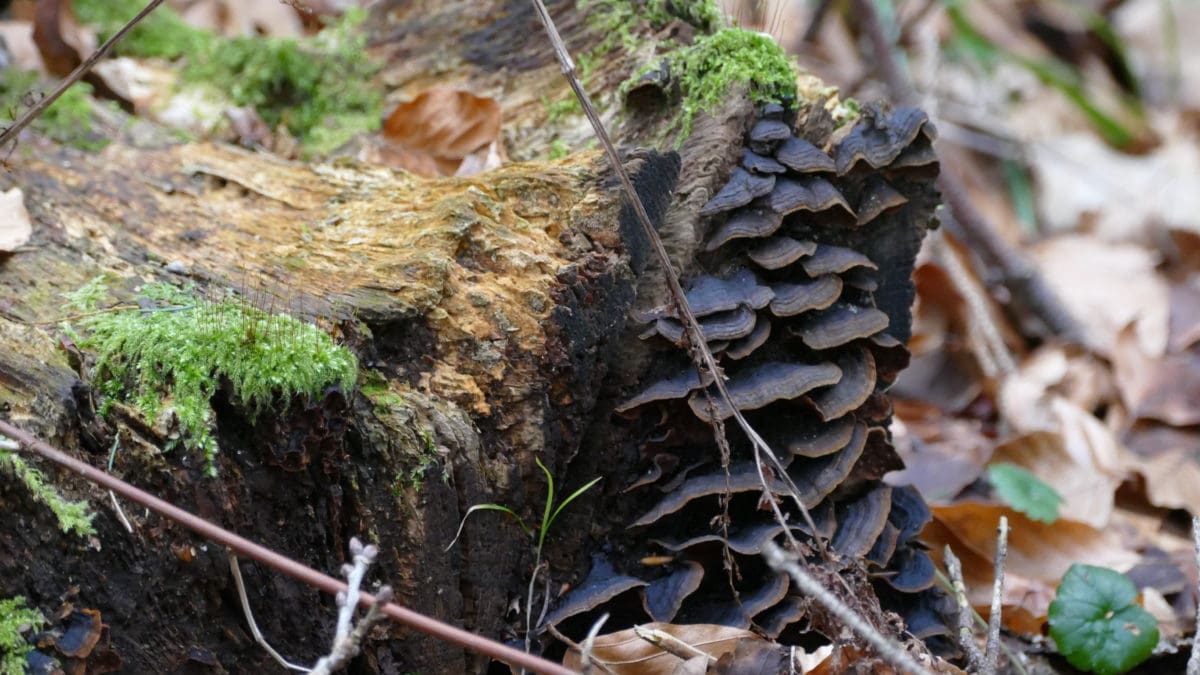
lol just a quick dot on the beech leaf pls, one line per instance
(1097, 625)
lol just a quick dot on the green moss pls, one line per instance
(706, 69)
(162, 34)
(556, 111)
(15, 620)
(320, 88)
(559, 149)
(173, 350)
(68, 120)
(72, 516)
(615, 18)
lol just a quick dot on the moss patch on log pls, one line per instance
(68, 120)
(15, 620)
(173, 349)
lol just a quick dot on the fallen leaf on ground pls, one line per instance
(434, 133)
(1107, 286)
(1039, 551)
(626, 653)
(235, 18)
(61, 39)
(23, 53)
(15, 225)
(1086, 490)
(138, 82)
(942, 454)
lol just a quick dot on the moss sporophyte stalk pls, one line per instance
(174, 348)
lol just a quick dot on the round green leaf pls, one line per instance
(1024, 491)
(1096, 624)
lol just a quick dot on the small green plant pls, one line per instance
(559, 149)
(549, 514)
(72, 516)
(1024, 491)
(15, 620)
(173, 349)
(1096, 623)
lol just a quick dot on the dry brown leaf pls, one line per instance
(1087, 492)
(15, 225)
(235, 18)
(432, 134)
(22, 51)
(1172, 478)
(61, 39)
(1036, 550)
(942, 454)
(626, 653)
(1107, 286)
(1025, 601)
(138, 82)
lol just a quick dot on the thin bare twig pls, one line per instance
(966, 635)
(1193, 664)
(993, 634)
(346, 642)
(1020, 275)
(992, 353)
(1013, 660)
(279, 562)
(235, 569)
(671, 644)
(40, 107)
(887, 650)
(699, 348)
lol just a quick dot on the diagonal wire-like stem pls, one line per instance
(699, 349)
(279, 562)
(40, 107)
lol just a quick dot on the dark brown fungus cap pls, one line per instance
(857, 383)
(801, 156)
(768, 382)
(877, 197)
(756, 163)
(769, 131)
(891, 357)
(740, 349)
(818, 440)
(909, 513)
(773, 621)
(741, 189)
(885, 545)
(878, 142)
(861, 278)
(829, 259)
(925, 615)
(805, 296)
(878, 458)
(913, 570)
(780, 251)
(742, 477)
(707, 294)
(747, 222)
(748, 540)
(841, 324)
(919, 155)
(861, 521)
(663, 597)
(673, 387)
(602, 584)
(715, 327)
(663, 462)
(810, 193)
(766, 596)
(816, 478)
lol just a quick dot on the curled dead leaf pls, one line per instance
(15, 225)
(628, 654)
(435, 133)
(1087, 491)
(61, 39)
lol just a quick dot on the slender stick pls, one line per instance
(887, 650)
(993, 634)
(966, 635)
(281, 563)
(40, 107)
(1193, 664)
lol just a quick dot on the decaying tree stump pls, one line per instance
(488, 313)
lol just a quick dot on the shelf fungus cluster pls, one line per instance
(802, 289)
